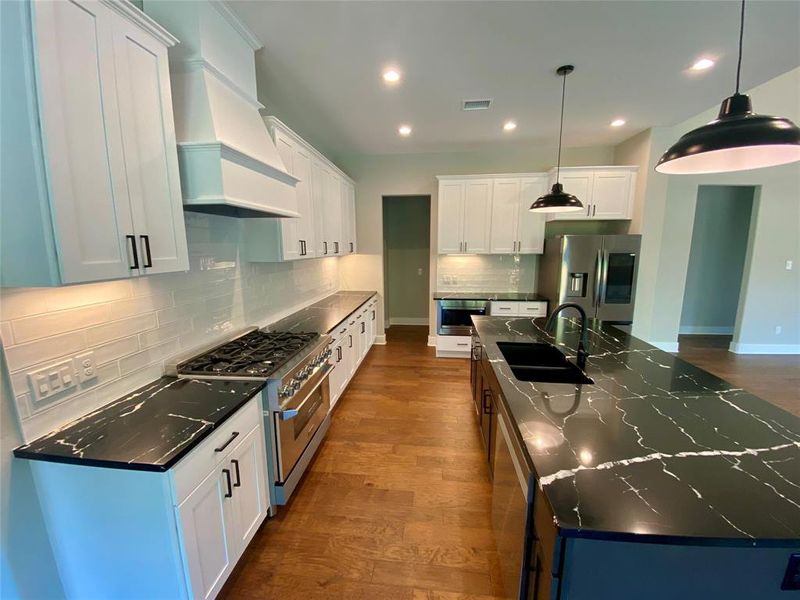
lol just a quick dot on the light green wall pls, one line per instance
(770, 294)
(406, 228)
(716, 260)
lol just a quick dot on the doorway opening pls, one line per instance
(720, 239)
(406, 259)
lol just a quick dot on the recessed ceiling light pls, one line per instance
(391, 75)
(618, 122)
(404, 130)
(509, 125)
(703, 64)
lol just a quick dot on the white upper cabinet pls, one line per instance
(325, 202)
(530, 226)
(90, 184)
(515, 229)
(465, 212)
(605, 192)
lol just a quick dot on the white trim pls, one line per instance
(201, 63)
(432, 340)
(764, 348)
(665, 346)
(380, 340)
(488, 176)
(407, 321)
(225, 11)
(235, 155)
(705, 330)
(128, 11)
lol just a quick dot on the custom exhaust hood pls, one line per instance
(229, 164)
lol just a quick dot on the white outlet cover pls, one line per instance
(85, 367)
(789, 265)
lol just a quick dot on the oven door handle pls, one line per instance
(290, 413)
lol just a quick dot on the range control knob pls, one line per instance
(295, 384)
(286, 391)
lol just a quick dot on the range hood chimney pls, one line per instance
(229, 164)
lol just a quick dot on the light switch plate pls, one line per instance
(51, 380)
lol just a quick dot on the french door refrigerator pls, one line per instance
(598, 272)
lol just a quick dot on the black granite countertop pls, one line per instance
(325, 315)
(656, 449)
(511, 296)
(150, 429)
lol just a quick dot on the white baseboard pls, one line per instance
(407, 321)
(380, 340)
(432, 340)
(764, 348)
(703, 330)
(665, 346)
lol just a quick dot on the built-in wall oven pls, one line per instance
(454, 317)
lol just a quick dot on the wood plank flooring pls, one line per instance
(396, 504)
(773, 377)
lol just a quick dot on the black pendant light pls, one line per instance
(558, 200)
(737, 140)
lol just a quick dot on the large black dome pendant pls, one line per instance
(558, 200)
(737, 140)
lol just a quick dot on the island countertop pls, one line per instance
(150, 429)
(657, 449)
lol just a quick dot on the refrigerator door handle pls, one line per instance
(598, 273)
(603, 277)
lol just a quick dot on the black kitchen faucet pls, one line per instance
(583, 344)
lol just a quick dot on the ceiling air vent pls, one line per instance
(476, 104)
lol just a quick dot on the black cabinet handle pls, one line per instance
(234, 435)
(487, 407)
(351, 247)
(363, 327)
(351, 340)
(146, 242)
(229, 493)
(339, 354)
(235, 464)
(132, 239)
(373, 315)
(336, 247)
(325, 245)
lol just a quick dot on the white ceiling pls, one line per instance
(320, 69)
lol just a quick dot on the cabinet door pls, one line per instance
(304, 226)
(319, 201)
(351, 247)
(505, 215)
(289, 234)
(333, 213)
(530, 226)
(82, 142)
(206, 518)
(477, 216)
(338, 375)
(578, 184)
(151, 160)
(451, 207)
(248, 469)
(612, 195)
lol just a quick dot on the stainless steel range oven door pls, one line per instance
(298, 421)
(454, 316)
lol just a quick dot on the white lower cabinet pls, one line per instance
(150, 534)
(453, 346)
(352, 340)
(514, 308)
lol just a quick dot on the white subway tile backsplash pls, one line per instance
(487, 273)
(133, 326)
(39, 326)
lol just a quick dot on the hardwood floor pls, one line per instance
(396, 504)
(773, 377)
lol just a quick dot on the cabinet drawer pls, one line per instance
(454, 343)
(192, 468)
(533, 309)
(501, 308)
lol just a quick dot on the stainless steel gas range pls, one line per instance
(296, 398)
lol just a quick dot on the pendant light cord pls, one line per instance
(561, 127)
(741, 37)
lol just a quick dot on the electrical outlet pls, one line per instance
(789, 265)
(778, 329)
(85, 367)
(52, 380)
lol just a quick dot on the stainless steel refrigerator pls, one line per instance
(596, 271)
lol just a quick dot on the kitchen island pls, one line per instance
(657, 476)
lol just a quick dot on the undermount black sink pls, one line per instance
(530, 361)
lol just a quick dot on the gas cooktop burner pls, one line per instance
(255, 354)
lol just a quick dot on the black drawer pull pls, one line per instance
(234, 435)
(238, 476)
(229, 493)
(325, 245)
(132, 239)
